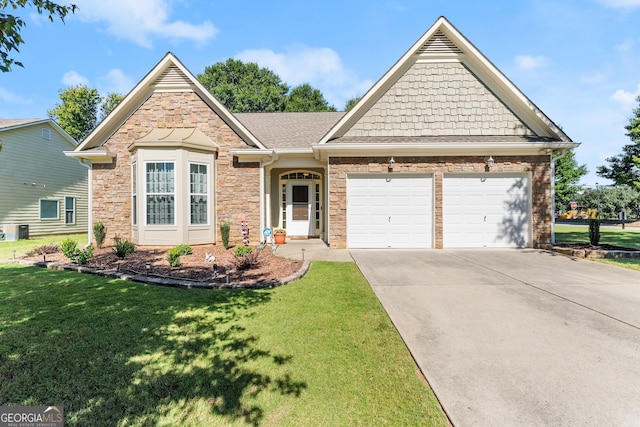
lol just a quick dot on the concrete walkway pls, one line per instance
(311, 250)
(516, 337)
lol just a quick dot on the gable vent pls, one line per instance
(438, 44)
(173, 77)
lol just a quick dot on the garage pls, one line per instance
(389, 211)
(486, 210)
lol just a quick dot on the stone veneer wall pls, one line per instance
(539, 166)
(236, 186)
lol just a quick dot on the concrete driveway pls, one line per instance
(516, 337)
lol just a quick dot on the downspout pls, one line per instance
(553, 192)
(265, 196)
(89, 167)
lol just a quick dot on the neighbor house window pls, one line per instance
(69, 210)
(160, 185)
(199, 191)
(134, 193)
(49, 209)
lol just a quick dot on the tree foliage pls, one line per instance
(81, 109)
(11, 25)
(351, 103)
(611, 200)
(306, 98)
(247, 88)
(566, 179)
(624, 168)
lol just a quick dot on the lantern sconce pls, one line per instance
(392, 163)
(489, 162)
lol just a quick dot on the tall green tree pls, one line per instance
(624, 168)
(306, 98)
(81, 109)
(351, 103)
(245, 87)
(11, 25)
(566, 179)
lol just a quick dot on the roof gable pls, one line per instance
(444, 86)
(168, 75)
(12, 124)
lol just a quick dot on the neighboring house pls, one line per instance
(40, 187)
(443, 151)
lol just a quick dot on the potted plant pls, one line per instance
(279, 236)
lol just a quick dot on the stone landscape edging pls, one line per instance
(166, 281)
(595, 253)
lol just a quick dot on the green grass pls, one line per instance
(114, 353)
(21, 247)
(629, 238)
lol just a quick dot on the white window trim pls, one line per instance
(135, 183)
(175, 188)
(207, 193)
(57, 209)
(74, 210)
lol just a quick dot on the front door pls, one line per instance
(299, 209)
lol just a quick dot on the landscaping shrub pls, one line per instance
(99, 232)
(225, 227)
(245, 257)
(594, 231)
(70, 250)
(176, 252)
(122, 247)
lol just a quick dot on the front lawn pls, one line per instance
(115, 353)
(21, 247)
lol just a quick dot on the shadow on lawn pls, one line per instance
(114, 352)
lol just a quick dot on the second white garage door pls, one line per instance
(389, 211)
(488, 210)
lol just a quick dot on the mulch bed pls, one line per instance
(603, 247)
(269, 267)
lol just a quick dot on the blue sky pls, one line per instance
(578, 60)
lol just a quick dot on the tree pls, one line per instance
(351, 103)
(245, 88)
(306, 98)
(81, 109)
(11, 25)
(624, 168)
(566, 179)
(611, 200)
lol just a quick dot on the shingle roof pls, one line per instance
(437, 139)
(9, 123)
(289, 130)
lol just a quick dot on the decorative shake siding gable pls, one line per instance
(438, 99)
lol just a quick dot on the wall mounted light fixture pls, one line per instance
(392, 163)
(489, 162)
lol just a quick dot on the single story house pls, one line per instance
(443, 151)
(42, 191)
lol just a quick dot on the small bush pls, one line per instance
(69, 247)
(99, 232)
(225, 228)
(594, 231)
(49, 248)
(122, 247)
(176, 252)
(245, 258)
(70, 250)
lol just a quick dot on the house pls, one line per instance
(41, 190)
(443, 151)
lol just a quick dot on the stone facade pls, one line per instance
(236, 187)
(538, 166)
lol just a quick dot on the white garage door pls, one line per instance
(486, 211)
(385, 211)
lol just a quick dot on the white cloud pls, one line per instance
(73, 78)
(626, 100)
(141, 21)
(117, 82)
(593, 78)
(322, 68)
(620, 3)
(12, 98)
(528, 62)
